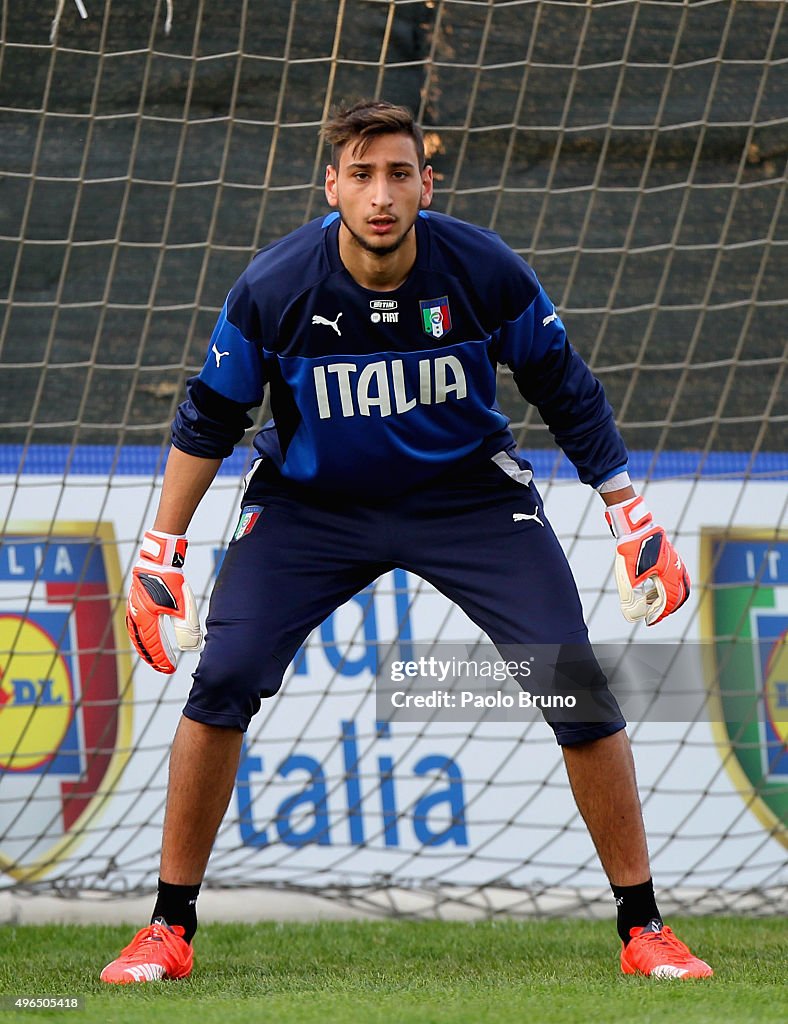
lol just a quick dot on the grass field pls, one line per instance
(400, 972)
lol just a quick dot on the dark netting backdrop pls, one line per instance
(634, 153)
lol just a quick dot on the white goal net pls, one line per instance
(634, 152)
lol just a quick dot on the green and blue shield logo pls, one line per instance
(745, 624)
(435, 316)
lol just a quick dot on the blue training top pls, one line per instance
(378, 392)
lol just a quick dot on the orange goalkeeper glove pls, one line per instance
(652, 580)
(158, 588)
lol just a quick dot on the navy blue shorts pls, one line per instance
(478, 534)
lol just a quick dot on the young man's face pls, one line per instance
(379, 193)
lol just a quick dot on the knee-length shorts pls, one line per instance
(479, 535)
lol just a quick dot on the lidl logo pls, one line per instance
(435, 316)
(65, 702)
(36, 694)
(745, 618)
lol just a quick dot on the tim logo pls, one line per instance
(384, 311)
(65, 711)
(435, 316)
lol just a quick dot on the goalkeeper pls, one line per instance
(377, 330)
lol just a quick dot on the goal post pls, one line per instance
(633, 152)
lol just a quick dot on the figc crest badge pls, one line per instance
(745, 625)
(435, 316)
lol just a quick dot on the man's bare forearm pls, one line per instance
(186, 479)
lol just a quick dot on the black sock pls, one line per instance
(177, 904)
(636, 907)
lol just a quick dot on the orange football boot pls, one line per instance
(154, 954)
(656, 952)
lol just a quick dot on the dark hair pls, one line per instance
(367, 120)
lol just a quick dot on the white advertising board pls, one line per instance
(327, 793)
